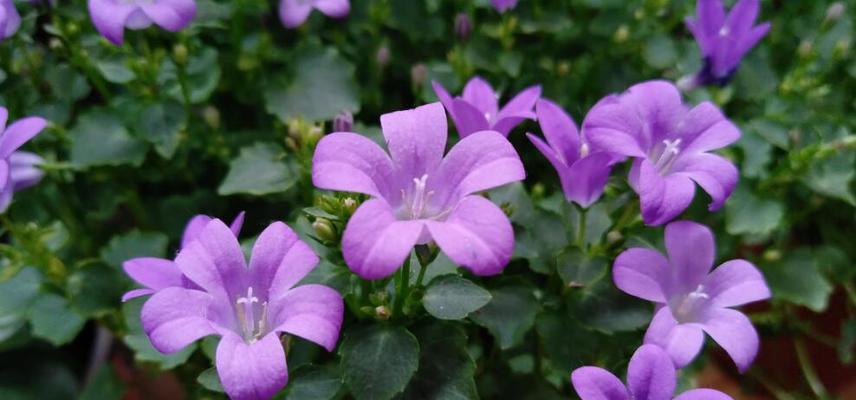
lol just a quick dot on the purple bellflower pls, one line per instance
(157, 273)
(582, 171)
(670, 145)
(503, 5)
(692, 300)
(418, 195)
(723, 40)
(10, 20)
(247, 306)
(294, 13)
(650, 376)
(18, 169)
(111, 17)
(478, 110)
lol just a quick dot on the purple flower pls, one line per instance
(477, 109)
(294, 13)
(583, 172)
(669, 143)
(723, 40)
(503, 5)
(18, 169)
(692, 300)
(248, 306)
(650, 376)
(157, 273)
(10, 20)
(418, 195)
(111, 17)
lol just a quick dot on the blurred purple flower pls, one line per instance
(650, 376)
(111, 17)
(463, 26)
(157, 273)
(294, 13)
(248, 306)
(692, 300)
(418, 195)
(503, 5)
(18, 169)
(478, 110)
(669, 143)
(723, 40)
(582, 172)
(344, 122)
(10, 20)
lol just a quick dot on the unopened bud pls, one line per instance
(350, 205)
(378, 298)
(211, 116)
(55, 43)
(382, 313)
(621, 34)
(291, 144)
(418, 74)
(344, 122)
(563, 68)
(772, 255)
(614, 236)
(835, 11)
(463, 26)
(805, 48)
(382, 56)
(179, 53)
(538, 190)
(324, 229)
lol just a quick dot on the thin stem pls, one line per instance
(581, 229)
(421, 277)
(808, 370)
(772, 387)
(402, 279)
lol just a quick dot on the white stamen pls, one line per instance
(246, 316)
(687, 306)
(584, 150)
(668, 156)
(724, 31)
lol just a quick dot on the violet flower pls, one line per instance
(503, 5)
(248, 306)
(18, 170)
(650, 376)
(692, 300)
(418, 195)
(670, 144)
(157, 273)
(723, 40)
(582, 172)
(111, 17)
(477, 109)
(10, 20)
(294, 13)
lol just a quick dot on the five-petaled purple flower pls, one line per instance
(248, 306)
(111, 17)
(18, 169)
(582, 171)
(294, 13)
(478, 110)
(10, 20)
(723, 40)
(670, 144)
(503, 5)
(418, 195)
(692, 300)
(650, 376)
(157, 273)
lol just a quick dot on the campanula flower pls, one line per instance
(10, 20)
(248, 306)
(478, 110)
(418, 195)
(157, 273)
(650, 376)
(503, 5)
(723, 40)
(670, 144)
(18, 170)
(294, 13)
(691, 299)
(582, 171)
(111, 17)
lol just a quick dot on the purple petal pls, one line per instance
(193, 228)
(681, 341)
(477, 235)
(24, 171)
(445, 98)
(172, 15)
(349, 162)
(255, 371)
(750, 39)
(375, 243)
(661, 198)
(559, 129)
(741, 17)
(6, 187)
(506, 124)
(735, 333)
(468, 118)
(109, 18)
(280, 260)
(592, 383)
(651, 374)
(215, 262)
(175, 317)
(237, 224)
(503, 5)
(522, 104)
(294, 13)
(716, 175)
(703, 394)
(705, 128)
(133, 294)
(153, 273)
(313, 312)
(611, 126)
(20, 132)
(659, 105)
(10, 17)
(333, 8)
(642, 273)
(691, 250)
(4, 113)
(416, 138)
(710, 15)
(586, 179)
(735, 283)
(479, 94)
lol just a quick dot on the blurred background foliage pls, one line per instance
(224, 116)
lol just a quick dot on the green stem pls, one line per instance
(581, 229)
(808, 370)
(402, 282)
(421, 277)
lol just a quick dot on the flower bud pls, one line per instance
(614, 236)
(834, 12)
(621, 34)
(382, 313)
(179, 53)
(463, 26)
(350, 205)
(324, 230)
(211, 116)
(418, 74)
(344, 122)
(382, 56)
(772, 255)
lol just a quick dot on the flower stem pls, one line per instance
(808, 370)
(581, 229)
(402, 284)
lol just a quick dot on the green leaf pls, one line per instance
(378, 361)
(132, 245)
(577, 270)
(96, 290)
(847, 342)
(202, 76)
(509, 315)
(53, 320)
(616, 312)
(756, 154)
(445, 367)
(99, 138)
(453, 297)
(66, 83)
(746, 213)
(161, 124)
(797, 279)
(312, 382)
(568, 341)
(115, 71)
(210, 380)
(258, 171)
(323, 86)
(19, 292)
(105, 386)
(660, 52)
(831, 177)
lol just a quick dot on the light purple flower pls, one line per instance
(691, 299)
(111, 17)
(294, 13)
(10, 20)
(18, 169)
(418, 195)
(583, 172)
(157, 273)
(503, 5)
(670, 144)
(248, 306)
(478, 110)
(723, 40)
(650, 376)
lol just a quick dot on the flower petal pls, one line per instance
(294, 13)
(481, 95)
(705, 128)
(661, 198)
(716, 175)
(506, 124)
(735, 283)
(193, 228)
(109, 18)
(279, 260)
(375, 243)
(24, 171)
(134, 293)
(255, 371)
(153, 273)
(703, 394)
(681, 341)
(446, 99)
(735, 333)
(11, 19)
(172, 15)
(468, 118)
(522, 104)
(585, 181)
(20, 132)
(215, 262)
(642, 273)
(333, 8)
(559, 129)
(613, 126)
(651, 374)
(313, 312)
(592, 383)
(353, 163)
(691, 252)
(174, 317)
(416, 138)
(750, 39)
(659, 106)
(741, 17)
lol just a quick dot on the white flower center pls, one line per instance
(723, 32)
(245, 307)
(685, 308)
(584, 150)
(416, 204)
(664, 159)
